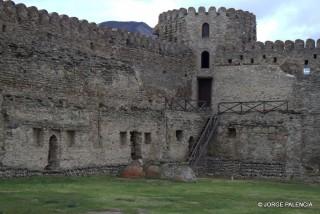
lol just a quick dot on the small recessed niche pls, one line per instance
(241, 57)
(4, 28)
(38, 136)
(252, 60)
(147, 138)
(232, 132)
(91, 46)
(230, 61)
(306, 62)
(275, 60)
(71, 136)
(315, 56)
(264, 57)
(123, 138)
(179, 135)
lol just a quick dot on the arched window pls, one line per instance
(205, 59)
(205, 30)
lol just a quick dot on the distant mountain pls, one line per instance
(139, 27)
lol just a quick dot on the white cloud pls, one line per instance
(290, 21)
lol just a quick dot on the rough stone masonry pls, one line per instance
(76, 98)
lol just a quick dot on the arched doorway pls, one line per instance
(53, 153)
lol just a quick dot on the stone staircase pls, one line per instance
(199, 149)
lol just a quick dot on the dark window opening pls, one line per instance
(252, 61)
(123, 138)
(4, 28)
(136, 140)
(205, 59)
(38, 136)
(179, 135)
(71, 135)
(275, 59)
(232, 132)
(147, 138)
(306, 62)
(264, 56)
(205, 30)
(230, 61)
(315, 56)
(241, 57)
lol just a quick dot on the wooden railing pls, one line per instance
(255, 106)
(188, 105)
(200, 147)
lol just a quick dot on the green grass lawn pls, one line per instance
(81, 195)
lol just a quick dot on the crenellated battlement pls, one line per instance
(212, 12)
(288, 45)
(274, 46)
(269, 52)
(12, 14)
(282, 46)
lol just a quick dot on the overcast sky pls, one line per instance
(276, 19)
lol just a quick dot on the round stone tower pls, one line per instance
(207, 29)
(205, 32)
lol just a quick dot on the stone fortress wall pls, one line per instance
(243, 69)
(101, 91)
(90, 87)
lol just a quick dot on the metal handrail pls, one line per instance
(201, 145)
(188, 105)
(253, 106)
